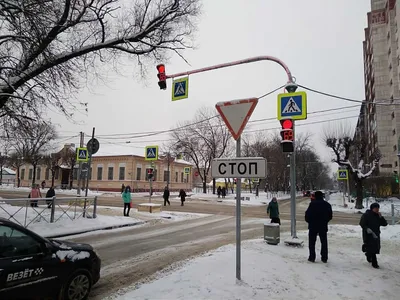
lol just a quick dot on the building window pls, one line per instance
(121, 173)
(47, 174)
(138, 174)
(396, 164)
(392, 115)
(75, 174)
(176, 176)
(394, 131)
(38, 171)
(110, 173)
(30, 175)
(394, 148)
(99, 173)
(182, 177)
(166, 176)
(187, 177)
(57, 173)
(22, 174)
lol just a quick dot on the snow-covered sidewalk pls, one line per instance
(282, 272)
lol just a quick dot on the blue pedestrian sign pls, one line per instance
(180, 89)
(292, 105)
(82, 154)
(151, 153)
(342, 174)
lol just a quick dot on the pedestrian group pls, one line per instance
(319, 214)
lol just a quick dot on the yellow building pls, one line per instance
(108, 173)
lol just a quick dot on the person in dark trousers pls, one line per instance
(182, 194)
(273, 211)
(50, 194)
(219, 191)
(166, 196)
(223, 192)
(318, 215)
(370, 222)
(126, 196)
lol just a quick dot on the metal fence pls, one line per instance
(49, 210)
(389, 208)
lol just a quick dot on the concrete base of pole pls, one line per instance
(294, 242)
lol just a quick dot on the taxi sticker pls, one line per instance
(27, 273)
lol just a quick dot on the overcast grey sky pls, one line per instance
(320, 41)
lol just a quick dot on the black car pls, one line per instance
(33, 267)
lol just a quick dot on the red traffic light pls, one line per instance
(161, 68)
(162, 83)
(287, 124)
(149, 171)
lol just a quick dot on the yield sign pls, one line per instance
(236, 114)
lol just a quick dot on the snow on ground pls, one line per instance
(249, 198)
(336, 200)
(282, 272)
(11, 187)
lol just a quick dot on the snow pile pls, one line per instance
(281, 272)
(74, 192)
(336, 200)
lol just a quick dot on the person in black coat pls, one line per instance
(182, 194)
(166, 196)
(370, 222)
(318, 215)
(50, 194)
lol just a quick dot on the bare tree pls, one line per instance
(351, 154)
(68, 157)
(34, 143)
(16, 161)
(46, 47)
(52, 162)
(207, 139)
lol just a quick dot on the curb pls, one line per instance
(97, 229)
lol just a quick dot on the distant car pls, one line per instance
(34, 267)
(306, 194)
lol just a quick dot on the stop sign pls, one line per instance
(196, 173)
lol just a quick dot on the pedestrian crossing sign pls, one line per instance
(151, 153)
(342, 174)
(292, 105)
(187, 170)
(82, 155)
(180, 89)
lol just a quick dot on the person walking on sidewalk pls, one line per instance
(318, 215)
(182, 194)
(166, 196)
(370, 222)
(50, 194)
(273, 211)
(126, 196)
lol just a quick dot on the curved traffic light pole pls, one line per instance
(291, 88)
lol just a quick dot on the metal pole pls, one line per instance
(293, 188)
(168, 163)
(151, 188)
(393, 219)
(238, 215)
(80, 165)
(348, 189)
(88, 175)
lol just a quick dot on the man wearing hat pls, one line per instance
(370, 222)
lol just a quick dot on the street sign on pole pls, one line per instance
(342, 174)
(82, 154)
(243, 167)
(187, 170)
(236, 114)
(151, 153)
(180, 89)
(93, 146)
(292, 105)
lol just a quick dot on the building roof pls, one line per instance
(7, 171)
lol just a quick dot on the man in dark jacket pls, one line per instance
(370, 222)
(318, 215)
(166, 196)
(182, 194)
(273, 211)
(50, 194)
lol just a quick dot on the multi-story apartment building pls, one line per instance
(379, 124)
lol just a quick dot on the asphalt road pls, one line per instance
(135, 254)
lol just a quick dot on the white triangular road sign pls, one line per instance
(179, 90)
(82, 154)
(291, 107)
(236, 114)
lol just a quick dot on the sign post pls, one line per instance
(343, 174)
(294, 106)
(236, 115)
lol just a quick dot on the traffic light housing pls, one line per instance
(162, 78)
(287, 135)
(396, 176)
(150, 173)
